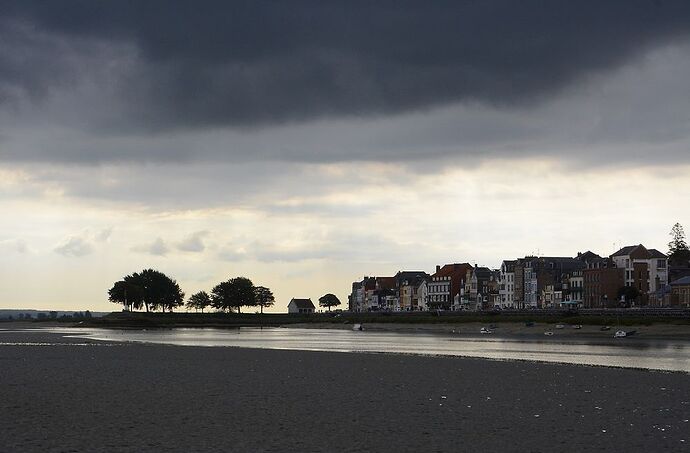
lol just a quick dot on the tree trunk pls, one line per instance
(147, 306)
(262, 309)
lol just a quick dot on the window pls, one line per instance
(661, 264)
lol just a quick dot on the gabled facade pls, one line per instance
(408, 283)
(476, 294)
(444, 288)
(362, 292)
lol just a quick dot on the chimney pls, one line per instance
(438, 268)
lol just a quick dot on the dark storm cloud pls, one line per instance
(247, 63)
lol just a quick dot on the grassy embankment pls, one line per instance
(152, 320)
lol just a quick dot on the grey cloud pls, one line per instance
(193, 243)
(104, 235)
(157, 248)
(247, 63)
(74, 246)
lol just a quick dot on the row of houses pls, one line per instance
(633, 276)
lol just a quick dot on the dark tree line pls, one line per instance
(153, 290)
(233, 294)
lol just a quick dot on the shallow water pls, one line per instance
(671, 355)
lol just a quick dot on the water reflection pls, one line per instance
(628, 353)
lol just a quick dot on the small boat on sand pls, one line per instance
(623, 333)
(485, 330)
(357, 327)
(548, 333)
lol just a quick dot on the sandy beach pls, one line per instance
(61, 394)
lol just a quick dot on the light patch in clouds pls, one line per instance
(14, 245)
(156, 248)
(193, 243)
(74, 246)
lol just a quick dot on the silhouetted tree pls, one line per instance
(150, 288)
(678, 239)
(235, 293)
(199, 301)
(679, 255)
(264, 297)
(127, 293)
(329, 300)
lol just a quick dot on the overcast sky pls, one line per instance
(305, 144)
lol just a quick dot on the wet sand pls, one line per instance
(84, 395)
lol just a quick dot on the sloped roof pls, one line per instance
(588, 256)
(412, 277)
(482, 272)
(510, 265)
(385, 282)
(640, 251)
(303, 303)
(625, 250)
(370, 283)
(654, 253)
(448, 270)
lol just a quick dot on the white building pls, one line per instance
(507, 284)
(422, 296)
(655, 262)
(301, 306)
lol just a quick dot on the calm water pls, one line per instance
(628, 352)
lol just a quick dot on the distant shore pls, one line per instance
(75, 394)
(526, 325)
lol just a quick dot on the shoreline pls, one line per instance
(501, 329)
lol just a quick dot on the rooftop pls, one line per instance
(303, 303)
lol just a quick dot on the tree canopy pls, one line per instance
(329, 300)
(233, 294)
(263, 297)
(150, 288)
(127, 293)
(199, 301)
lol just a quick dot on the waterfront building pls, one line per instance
(507, 284)
(445, 285)
(645, 269)
(303, 306)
